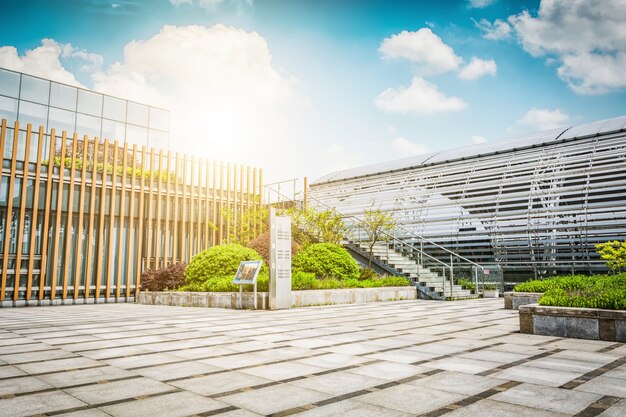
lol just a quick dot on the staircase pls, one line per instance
(430, 283)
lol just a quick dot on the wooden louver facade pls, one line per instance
(81, 218)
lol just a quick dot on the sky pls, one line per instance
(307, 87)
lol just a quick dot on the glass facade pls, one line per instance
(50, 104)
(534, 205)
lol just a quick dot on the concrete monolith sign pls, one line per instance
(280, 261)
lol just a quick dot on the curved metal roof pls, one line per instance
(489, 148)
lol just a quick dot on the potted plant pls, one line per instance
(491, 291)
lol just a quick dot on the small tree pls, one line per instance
(614, 253)
(311, 226)
(378, 225)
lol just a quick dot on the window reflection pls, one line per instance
(35, 89)
(113, 130)
(63, 96)
(159, 119)
(114, 108)
(137, 135)
(32, 113)
(158, 139)
(62, 120)
(9, 83)
(137, 114)
(87, 125)
(89, 103)
(8, 108)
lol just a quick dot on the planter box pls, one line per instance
(298, 298)
(578, 323)
(513, 300)
(491, 293)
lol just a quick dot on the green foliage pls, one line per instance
(307, 281)
(261, 244)
(614, 253)
(168, 278)
(573, 282)
(217, 262)
(156, 175)
(311, 226)
(225, 284)
(378, 225)
(367, 273)
(326, 260)
(242, 229)
(467, 284)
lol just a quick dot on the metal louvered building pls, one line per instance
(533, 205)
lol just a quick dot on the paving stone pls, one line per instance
(84, 376)
(547, 398)
(616, 410)
(201, 352)
(490, 408)
(458, 383)
(495, 356)
(118, 390)
(176, 370)
(239, 413)
(22, 385)
(29, 347)
(274, 399)
(58, 365)
(540, 376)
(350, 408)
(283, 370)
(93, 412)
(115, 352)
(457, 364)
(619, 372)
(402, 356)
(332, 360)
(338, 383)
(41, 355)
(219, 383)
(605, 385)
(45, 402)
(550, 362)
(410, 399)
(238, 361)
(390, 371)
(8, 371)
(179, 404)
(137, 361)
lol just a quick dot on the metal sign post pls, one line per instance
(280, 261)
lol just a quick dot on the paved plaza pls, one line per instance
(418, 358)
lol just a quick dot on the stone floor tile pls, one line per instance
(22, 385)
(540, 376)
(332, 360)
(274, 399)
(40, 355)
(29, 347)
(547, 398)
(58, 365)
(595, 357)
(179, 404)
(410, 399)
(616, 410)
(402, 356)
(219, 383)
(353, 348)
(92, 412)
(457, 364)
(571, 365)
(490, 408)
(8, 371)
(605, 385)
(285, 370)
(390, 371)
(137, 361)
(458, 383)
(239, 413)
(495, 356)
(84, 376)
(351, 408)
(438, 348)
(619, 372)
(45, 402)
(176, 370)
(116, 352)
(201, 352)
(338, 383)
(118, 390)
(238, 361)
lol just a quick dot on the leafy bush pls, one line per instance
(367, 273)
(168, 278)
(307, 281)
(326, 260)
(467, 284)
(565, 282)
(614, 253)
(225, 284)
(218, 262)
(261, 244)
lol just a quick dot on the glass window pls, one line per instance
(35, 89)
(32, 113)
(8, 109)
(62, 120)
(159, 119)
(8, 145)
(112, 130)
(157, 139)
(21, 145)
(88, 125)
(114, 108)
(63, 96)
(4, 192)
(9, 83)
(89, 103)
(137, 114)
(136, 135)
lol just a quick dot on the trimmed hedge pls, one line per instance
(326, 260)
(596, 291)
(218, 262)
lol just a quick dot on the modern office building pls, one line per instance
(50, 104)
(533, 205)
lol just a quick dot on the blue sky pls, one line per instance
(307, 87)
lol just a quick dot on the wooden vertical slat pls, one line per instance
(234, 210)
(207, 202)
(221, 216)
(198, 194)
(5, 259)
(176, 241)
(142, 215)
(183, 214)
(168, 212)
(149, 217)
(228, 201)
(59, 212)
(47, 210)
(214, 216)
(131, 224)
(241, 200)
(35, 215)
(157, 228)
(20, 229)
(248, 194)
(70, 213)
(254, 183)
(100, 249)
(120, 227)
(90, 227)
(110, 258)
(81, 214)
(260, 203)
(191, 207)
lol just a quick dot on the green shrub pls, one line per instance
(566, 282)
(225, 284)
(218, 262)
(162, 279)
(467, 284)
(303, 281)
(367, 273)
(326, 260)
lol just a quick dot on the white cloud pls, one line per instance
(478, 68)
(420, 97)
(405, 147)
(211, 4)
(495, 31)
(586, 37)
(477, 139)
(480, 4)
(542, 119)
(43, 61)
(422, 47)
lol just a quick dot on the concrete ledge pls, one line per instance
(67, 301)
(299, 298)
(578, 323)
(513, 300)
